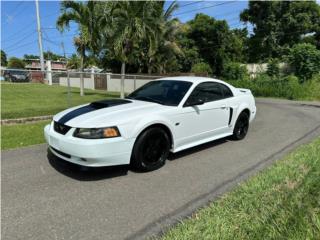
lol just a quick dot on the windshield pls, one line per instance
(165, 92)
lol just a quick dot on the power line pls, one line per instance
(18, 47)
(215, 5)
(22, 39)
(188, 4)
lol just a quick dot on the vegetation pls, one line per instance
(27, 100)
(281, 202)
(305, 59)
(235, 71)
(21, 135)
(4, 61)
(201, 67)
(47, 55)
(278, 25)
(16, 63)
(287, 87)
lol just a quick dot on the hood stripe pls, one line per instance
(92, 107)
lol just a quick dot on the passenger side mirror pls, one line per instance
(194, 102)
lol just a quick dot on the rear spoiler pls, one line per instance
(244, 90)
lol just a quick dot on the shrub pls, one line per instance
(234, 71)
(15, 63)
(273, 69)
(305, 59)
(201, 67)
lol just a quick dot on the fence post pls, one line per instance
(69, 89)
(49, 73)
(108, 80)
(134, 82)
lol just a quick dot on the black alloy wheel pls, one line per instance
(151, 149)
(241, 127)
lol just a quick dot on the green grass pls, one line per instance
(282, 202)
(13, 136)
(27, 100)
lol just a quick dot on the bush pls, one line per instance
(287, 87)
(305, 59)
(273, 69)
(201, 67)
(234, 71)
(16, 63)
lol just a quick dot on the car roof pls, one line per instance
(193, 79)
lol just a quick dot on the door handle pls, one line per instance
(223, 107)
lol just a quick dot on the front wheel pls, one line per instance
(241, 127)
(150, 150)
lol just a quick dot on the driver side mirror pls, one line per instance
(194, 102)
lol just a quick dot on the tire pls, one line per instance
(150, 150)
(241, 127)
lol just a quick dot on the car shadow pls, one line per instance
(100, 173)
(189, 151)
(85, 173)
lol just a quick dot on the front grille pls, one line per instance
(61, 153)
(61, 128)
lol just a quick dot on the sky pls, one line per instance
(18, 23)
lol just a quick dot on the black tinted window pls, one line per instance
(208, 92)
(226, 91)
(166, 92)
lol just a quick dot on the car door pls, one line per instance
(206, 120)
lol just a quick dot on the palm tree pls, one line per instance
(132, 22)
(82, 13)
(167, 47)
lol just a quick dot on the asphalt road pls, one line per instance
(44, 198)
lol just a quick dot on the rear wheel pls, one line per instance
(151, 149)
(241, 127)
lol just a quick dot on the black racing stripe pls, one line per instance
(92, 107)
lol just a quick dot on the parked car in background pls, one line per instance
(164, 115)
(16, 75)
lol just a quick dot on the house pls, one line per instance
(34, 64)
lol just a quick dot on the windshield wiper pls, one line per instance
(149, 99)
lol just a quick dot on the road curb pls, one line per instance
(25, 120)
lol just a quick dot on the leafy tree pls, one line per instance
(273, 69)
(52, 56)
(73, 62)
(30, 56)
(84, 14)
(234, 71)
(201, 68)
(216, 43)
(16, 63)
(4, 61)
(131, 23)
(305, 59)
(278, 25)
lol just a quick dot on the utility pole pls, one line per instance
(39, 36)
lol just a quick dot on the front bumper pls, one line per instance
(89, 152)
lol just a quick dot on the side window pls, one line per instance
(226, 91)
(208, 91)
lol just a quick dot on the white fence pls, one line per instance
(95, 81)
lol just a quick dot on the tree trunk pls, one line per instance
(123, 71)
(81, 76)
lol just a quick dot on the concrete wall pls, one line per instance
(129, 85)
(75, 82)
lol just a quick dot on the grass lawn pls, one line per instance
(13, 136)
(281, 202)
(27, 100)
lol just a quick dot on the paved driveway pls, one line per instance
(43, 198)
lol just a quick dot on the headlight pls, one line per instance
(95, 133)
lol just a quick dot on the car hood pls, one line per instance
(111, 112)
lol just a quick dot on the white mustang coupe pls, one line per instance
(164, 115)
